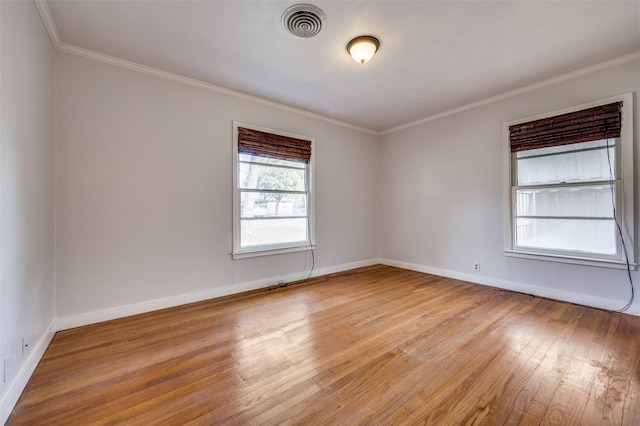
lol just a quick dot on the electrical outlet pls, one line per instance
(319, 261)
(25, 347)
(6, 368)
(476, 266)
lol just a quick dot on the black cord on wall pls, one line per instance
(313, 261)
(615, 219)
(313, 254)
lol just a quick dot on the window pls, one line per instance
(570, 184)
(273, 201)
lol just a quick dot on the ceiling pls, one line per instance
(434, 56)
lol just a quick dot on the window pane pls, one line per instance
(268, 160)
(593, 236)
(583, 201)
(257, 176)
(582, 166)
(270, 204)
(565, 148)
(272, 231)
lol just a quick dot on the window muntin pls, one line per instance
(564, 199)
(272, 199)
(560, 195)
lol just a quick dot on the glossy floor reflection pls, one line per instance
(377, 345)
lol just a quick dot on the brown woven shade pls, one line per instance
(274, 146)
(592, 124)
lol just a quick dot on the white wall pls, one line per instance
(144, 193)
(443, 196)
(26, 193)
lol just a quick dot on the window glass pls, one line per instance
(273, 231)
(575, 201)
(570, 185)
(272, 204)
(269, 160)
(564, 198)
(258, 176)
(573, 166)
(564, 148)
(589, 236)
(272, 196)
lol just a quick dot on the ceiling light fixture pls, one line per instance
(363, 48)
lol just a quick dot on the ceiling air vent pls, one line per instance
(304, 20)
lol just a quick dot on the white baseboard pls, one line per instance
(18, 384)
(565, 296)
(168, 302)
(22, 377)
(153, 305)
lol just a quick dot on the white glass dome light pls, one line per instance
(363, 48)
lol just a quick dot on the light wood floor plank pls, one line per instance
(376, 345)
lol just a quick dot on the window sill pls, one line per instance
(257, 251)
(576, 260)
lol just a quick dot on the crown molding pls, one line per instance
(122, 63)
(49, 24)
(47, 20)
(526, 89)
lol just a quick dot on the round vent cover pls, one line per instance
(304, 20)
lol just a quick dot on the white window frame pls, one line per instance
(239, 252)
(625, 193)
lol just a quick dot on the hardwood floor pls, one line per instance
(377, 345)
